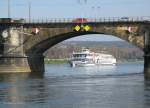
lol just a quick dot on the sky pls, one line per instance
(41, 9)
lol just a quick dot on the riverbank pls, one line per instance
(55, 61)
(63, 61)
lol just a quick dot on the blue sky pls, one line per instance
(76, 8)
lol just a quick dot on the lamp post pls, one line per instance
(80, 1)
(29, 10)
(96, 11)
(8, 8)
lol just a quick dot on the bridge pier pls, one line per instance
(15, 64)
(36, 63)
(147, 53)
(12, 55)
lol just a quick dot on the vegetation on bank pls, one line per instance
(119, 49)
(55, 61)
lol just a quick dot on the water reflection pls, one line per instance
(147, 91)
(16, 89)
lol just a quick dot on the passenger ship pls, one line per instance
(89, 58)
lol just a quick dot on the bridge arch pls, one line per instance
(42, 46)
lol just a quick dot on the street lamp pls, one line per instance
(85, 1)
(8, 8)
(96, 9)
(29, 9)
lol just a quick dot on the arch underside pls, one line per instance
(44, 45)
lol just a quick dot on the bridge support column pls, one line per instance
(147, 54)
(14, 64)
(18, 64)
(36, 63)
(12, 55)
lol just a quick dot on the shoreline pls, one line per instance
(130, 61)
(63, 61)
(55, 61)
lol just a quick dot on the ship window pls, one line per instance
(90, 55)
(79, 55)
(83, 55)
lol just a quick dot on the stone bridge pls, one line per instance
(23, 49)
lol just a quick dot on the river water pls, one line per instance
(120, 86)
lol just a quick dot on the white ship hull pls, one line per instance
(106, 64)
(74, 64)
(82, 64)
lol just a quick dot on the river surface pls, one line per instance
(120, 86)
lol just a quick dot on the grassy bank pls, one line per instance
(55, 61)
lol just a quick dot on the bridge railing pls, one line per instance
(104, 19)
(78, 20)
(52, 20)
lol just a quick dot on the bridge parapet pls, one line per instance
(86, 20)
(75, 20)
